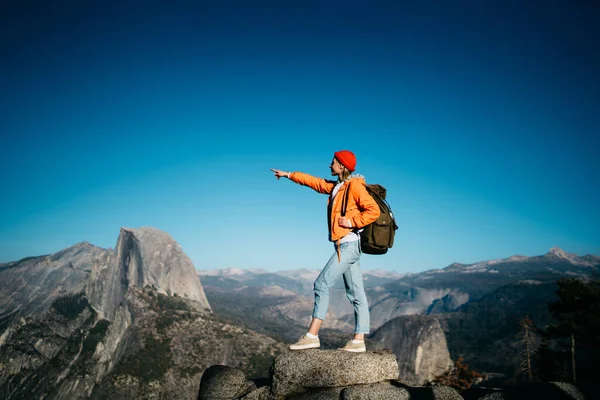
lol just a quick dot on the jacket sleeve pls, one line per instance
(319, 184)
(370, 210)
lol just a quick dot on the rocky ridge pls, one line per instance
(88, 322)
(30, 286)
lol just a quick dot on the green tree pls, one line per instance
(577, 315)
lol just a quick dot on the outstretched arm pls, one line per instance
(318, 184)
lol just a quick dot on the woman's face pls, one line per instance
(336, 167)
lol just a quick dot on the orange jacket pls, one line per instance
(361, 211)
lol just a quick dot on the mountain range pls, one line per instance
(139, 321)
(477, 305)
(446, 289)
(392, 294)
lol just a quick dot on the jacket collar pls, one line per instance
(355, 176)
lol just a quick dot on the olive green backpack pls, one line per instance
(377, 237)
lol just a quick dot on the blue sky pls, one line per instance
(481, 119)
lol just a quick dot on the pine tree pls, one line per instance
(528, 342)
(577, 312)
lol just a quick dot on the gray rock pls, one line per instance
(406, 299)
(442, 393)
(221, 382)
(31, 285)
(144, 256)
(419, 344)
(493, 396)
(448, 303)
(262, 393)
(298, 371)
(569, 389)
(318, 394)
(393, 390)
(380, 391)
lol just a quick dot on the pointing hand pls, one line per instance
(278, 173)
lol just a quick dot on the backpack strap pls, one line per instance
(344, 208)
(345, 202)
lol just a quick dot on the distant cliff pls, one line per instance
(419, 344)
(144, 257)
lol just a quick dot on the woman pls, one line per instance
(344, 231)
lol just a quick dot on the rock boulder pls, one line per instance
(221, 382)
(419, 344)
(299, 371)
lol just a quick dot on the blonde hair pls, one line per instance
(345, 174)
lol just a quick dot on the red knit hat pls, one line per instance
(347, 158)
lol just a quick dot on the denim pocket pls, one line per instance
(350, 247)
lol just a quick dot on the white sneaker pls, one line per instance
(306, 343)
(354, 347)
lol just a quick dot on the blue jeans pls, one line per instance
(349, 268)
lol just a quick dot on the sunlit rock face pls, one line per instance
(144, 257)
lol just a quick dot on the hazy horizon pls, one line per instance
(368, 267)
